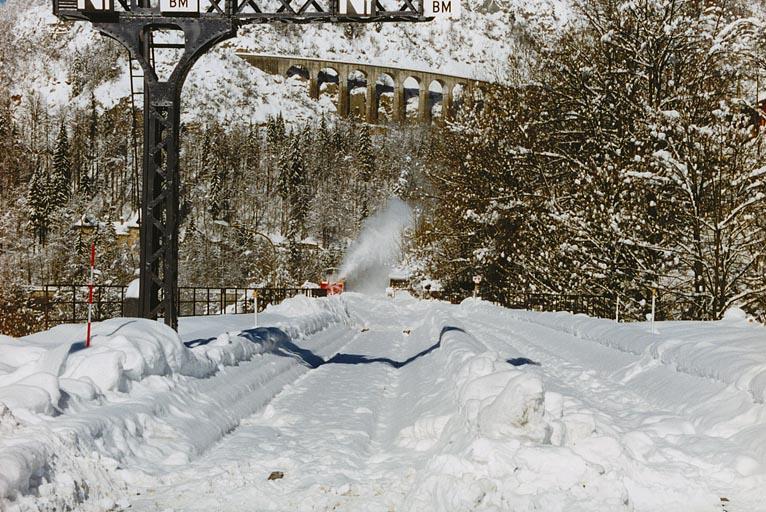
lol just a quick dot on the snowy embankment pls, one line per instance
(731, 351)
(138, 381)
(435, 407)
(675, 414)
(396, 404)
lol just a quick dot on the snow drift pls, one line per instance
(495, 438)
(60, 402)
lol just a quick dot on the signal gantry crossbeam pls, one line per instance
(244, 11)
(198, 26)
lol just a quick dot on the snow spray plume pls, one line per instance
(368, 263)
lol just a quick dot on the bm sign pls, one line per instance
(443, 8)
(180, 6)
(431, 8)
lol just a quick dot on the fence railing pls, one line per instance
(200, 301)
(590, 304)
(67, 303)
(593, 305)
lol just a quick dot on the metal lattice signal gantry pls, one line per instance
(245, 11)
(198, 26)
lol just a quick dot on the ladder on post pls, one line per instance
(136, 73)
(137, 92)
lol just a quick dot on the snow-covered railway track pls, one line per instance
(646, 414)
(323, 429)
(417, 406)
(88, 455)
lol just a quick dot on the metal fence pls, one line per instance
(593, 305)
(67, 303)
(195, 300)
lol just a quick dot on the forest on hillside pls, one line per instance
(269, 205)
(631, 159)
(621, 156)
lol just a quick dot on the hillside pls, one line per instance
(47, 54)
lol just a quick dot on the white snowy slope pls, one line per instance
(374, 404)
(139, 396)
(223, 86)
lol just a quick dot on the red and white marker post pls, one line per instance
(476, 283)
(255, 307)
(90, 291)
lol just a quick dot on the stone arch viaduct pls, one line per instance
(431, 88)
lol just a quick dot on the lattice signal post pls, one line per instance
(202, 24)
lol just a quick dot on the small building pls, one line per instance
(400, 279)
(127, 231)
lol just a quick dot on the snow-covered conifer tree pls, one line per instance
(38, 202)
(60, 182)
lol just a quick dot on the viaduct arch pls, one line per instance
(377, 80)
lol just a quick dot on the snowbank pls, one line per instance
(661, 413)
(57, 397)
(731, 351)
(496, 439)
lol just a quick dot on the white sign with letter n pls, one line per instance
(95, 5)
(358, 7)
(441, 8)
(179, 6)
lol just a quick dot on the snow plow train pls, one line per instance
(332, 282)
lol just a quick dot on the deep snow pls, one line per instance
(367, 404)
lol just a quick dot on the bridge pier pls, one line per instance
(447, 102)
(344, 100)
(314, 82)
(372, 101)
(314, 87)
(399, 114)
(424, 110)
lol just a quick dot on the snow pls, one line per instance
(223, 86)
(377, 249)
(400, 273)
(133, 290)
(61, 392)
(729, 351)
(372, 403)
(122, 227)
